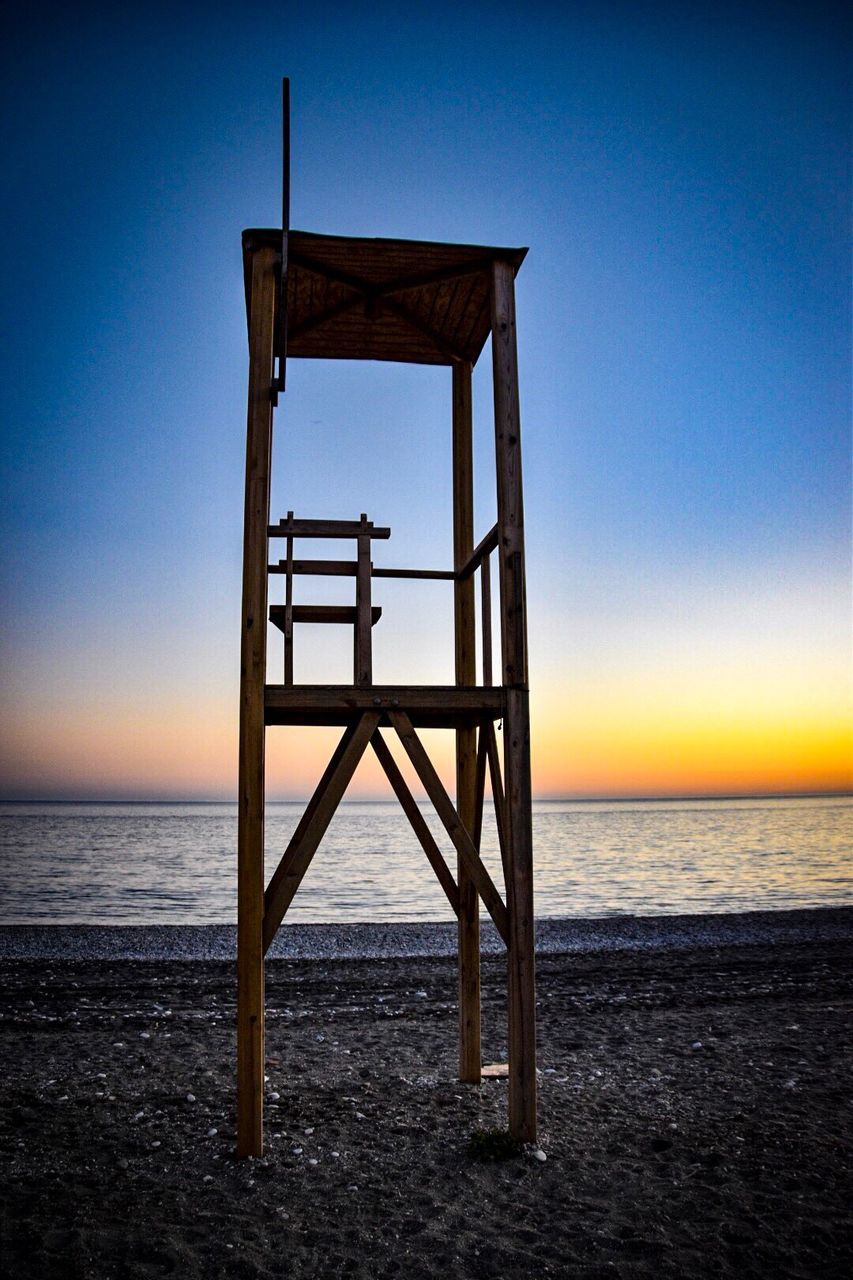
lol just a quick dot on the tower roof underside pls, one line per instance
(405, 300)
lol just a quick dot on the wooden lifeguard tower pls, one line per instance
(334, 297)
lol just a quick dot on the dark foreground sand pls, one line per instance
(694, 1113)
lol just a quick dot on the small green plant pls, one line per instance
(494, 1144)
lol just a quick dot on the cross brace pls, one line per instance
(329, 792)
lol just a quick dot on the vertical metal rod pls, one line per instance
(285, 229)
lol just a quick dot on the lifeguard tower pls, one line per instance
(334, 297)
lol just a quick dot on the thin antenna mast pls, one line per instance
(285, 229)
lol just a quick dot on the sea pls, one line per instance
(152, 863)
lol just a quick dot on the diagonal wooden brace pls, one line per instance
(416, 818)
(296, 839)
(479, 788)
(314, 823)
(446, 811)
(497, 795)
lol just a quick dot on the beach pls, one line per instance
(693, 1100)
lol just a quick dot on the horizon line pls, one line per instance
(551, 799)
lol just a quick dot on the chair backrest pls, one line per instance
(362, 616)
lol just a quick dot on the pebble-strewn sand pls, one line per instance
(383, 941)
(694, 1111)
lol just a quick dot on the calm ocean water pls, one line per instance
(176, 863)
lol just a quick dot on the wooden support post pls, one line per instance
(466, 739)
(362, 639)
(486, 618)
(253, 656)
(288, 611)
(519, 837)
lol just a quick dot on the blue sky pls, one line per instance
(681, 175)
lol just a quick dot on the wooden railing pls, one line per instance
(482, 549)
(363, 616)
(480, 559)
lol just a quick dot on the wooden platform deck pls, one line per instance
(427, 706)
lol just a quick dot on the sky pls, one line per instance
(681, 175)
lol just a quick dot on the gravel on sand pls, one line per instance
(694, 1109)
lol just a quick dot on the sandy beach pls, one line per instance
(694, 1105)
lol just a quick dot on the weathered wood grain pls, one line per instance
(470, 1054)
(519, 837)
(250, 820)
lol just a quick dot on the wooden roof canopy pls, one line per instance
(367, 299)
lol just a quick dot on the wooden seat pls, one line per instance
(334, 613)
(362, 617)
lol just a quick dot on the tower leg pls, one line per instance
(250, 820)
(521, 1005)
(521, 977)
(470, 1057)
(470, 1053)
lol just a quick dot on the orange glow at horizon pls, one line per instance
(654, 742)
(653, 759)
(600, 744)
